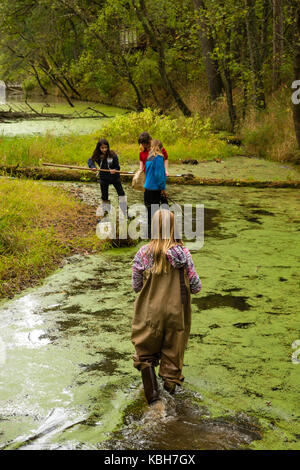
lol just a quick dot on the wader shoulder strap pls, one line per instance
(183, 289)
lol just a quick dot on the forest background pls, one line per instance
(235, 63)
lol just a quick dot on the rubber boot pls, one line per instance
(103, 209)
(170, 387)
(150, 384)
(123, 205)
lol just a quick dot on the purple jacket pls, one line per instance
(179, 256)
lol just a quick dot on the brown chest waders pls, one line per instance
(160, 329)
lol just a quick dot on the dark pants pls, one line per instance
(104, 189)
(120, 191)
(155, 199)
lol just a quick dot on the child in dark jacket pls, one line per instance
(155, 181)
(164, 275)
(108, 160)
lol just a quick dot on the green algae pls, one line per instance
(69, 343)
(57, 126)
(237, 168)
(72, 364)
(252, 169)
(250, 369)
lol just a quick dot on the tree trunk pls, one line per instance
(158, 46)
(245, 100)
(63, 77)
(255, 58)
(168, 86)
(57, 84)
(154, 96)
(45, 92)
(207, 45)
(277, 41)
(140, 105)
(296, 107)
(229, 98)
(266, 15)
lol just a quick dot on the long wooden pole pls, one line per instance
(117, 171)
(86, 168)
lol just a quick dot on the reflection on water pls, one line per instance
(27, 324)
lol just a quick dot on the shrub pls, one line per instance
(126, 128)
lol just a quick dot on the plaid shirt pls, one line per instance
(179, 256)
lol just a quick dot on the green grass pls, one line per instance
(183, 138)
(199, 149)
(36, 231)
(270, 133)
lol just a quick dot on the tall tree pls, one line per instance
(278, 41)
(255, 54)
(226, 23)
(158, 42)
(296, 107)
(213, 75)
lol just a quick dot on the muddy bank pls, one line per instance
(40, 226)
(40, 173)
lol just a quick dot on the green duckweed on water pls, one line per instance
(68, 380)
(56, 126)
(238, 168)
(250, 274)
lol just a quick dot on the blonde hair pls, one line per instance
(156, 147)
(163, 238)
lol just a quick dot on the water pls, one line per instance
(67, 380)
(54, 126)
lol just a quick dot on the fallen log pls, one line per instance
(63, 174)
(17, 115)
(17, 112)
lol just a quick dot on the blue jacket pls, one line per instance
(155, 178)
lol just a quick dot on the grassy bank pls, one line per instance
(39, 226)
(184, 138)
(270, 133)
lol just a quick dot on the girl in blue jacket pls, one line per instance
(155, 181)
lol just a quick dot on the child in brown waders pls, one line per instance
(164, 275)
